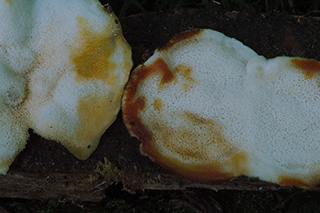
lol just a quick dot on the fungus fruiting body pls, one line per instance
(63, 67)
(209, 108)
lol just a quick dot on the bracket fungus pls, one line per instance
(63, 67)
(209, 108)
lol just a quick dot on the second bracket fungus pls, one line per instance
(209, 108)
(63, 67)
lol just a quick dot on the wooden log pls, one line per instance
(46, 170)
(60, 186)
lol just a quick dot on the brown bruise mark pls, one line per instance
(92, 60)
(158, 104)
(289, 181)
(180, 37)
(107, 8)
(308, 66)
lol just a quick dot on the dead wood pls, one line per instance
(45, 170)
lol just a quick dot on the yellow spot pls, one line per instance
(186, 73)
(92, 60)
(158, 104)
(10, 2)
(186, 87)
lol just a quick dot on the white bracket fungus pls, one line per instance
(63, 67)
(209, 108)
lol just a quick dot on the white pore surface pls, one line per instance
(283, 120)
(39, 85)
(264, 108)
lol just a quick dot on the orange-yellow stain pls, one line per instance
(158, 104)
(96, 116)
(238, 162)
(197, 120)
(308, 66)
(289, 181)
(6, 163)
(92, 60)
(183, 143)
(185, 71)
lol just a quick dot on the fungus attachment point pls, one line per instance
(225, 111)
(68, 71)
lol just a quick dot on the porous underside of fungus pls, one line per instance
(63, 67)
(209, 108)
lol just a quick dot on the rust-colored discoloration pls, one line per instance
(158, 67)
(205, 173)
(133, 104)
(308, 66)
(131, 115)
(199, 168)
(92, 60)
(290, 181)
(180, 37)
(188, 143)
(195, 147)
(158, 104)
